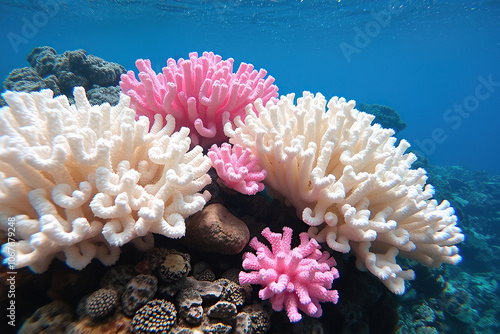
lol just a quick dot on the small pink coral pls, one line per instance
(297, 279)
(198, 92)
(238, 169)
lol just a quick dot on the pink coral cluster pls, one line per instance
(201, 93)
(294, 279)
(238, 169)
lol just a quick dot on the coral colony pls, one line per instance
(94, 178)
(349, 182)
(82, 180)
(201, 93)
(293, 279)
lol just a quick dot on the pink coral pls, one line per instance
(297, 279)
(238, 169)
(198, 92)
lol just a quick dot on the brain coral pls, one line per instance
(157, 316)
(79, 180)
(101, 303)
(350, 183)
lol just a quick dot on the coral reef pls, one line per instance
(88, 181)
(363, 290)
(202, 93)
(348, 181)
(476, 197)
(82, 180)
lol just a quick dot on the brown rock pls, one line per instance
(117, 324)
(215, 229)
(51, 318)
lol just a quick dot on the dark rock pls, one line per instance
(26, 79)
(218, 328)
(384, 115)
(43, 60)
(117, 278)
(62, 64)
(98, 95)
(231, 292)
(243, 324)
(101, 72)
(203, 272)
(138, 292)
(261, 320)
(189, 306)
(427, 282)
(69, 80)
(155, 257)
(169, 291)
(175, 266)
(222, 310)
(207, 290)
(63, 72)
(76, 59)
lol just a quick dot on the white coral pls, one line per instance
(82, 180)
(350, 183)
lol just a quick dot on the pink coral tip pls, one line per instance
(238, 169)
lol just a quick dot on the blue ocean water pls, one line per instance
(434, 62)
